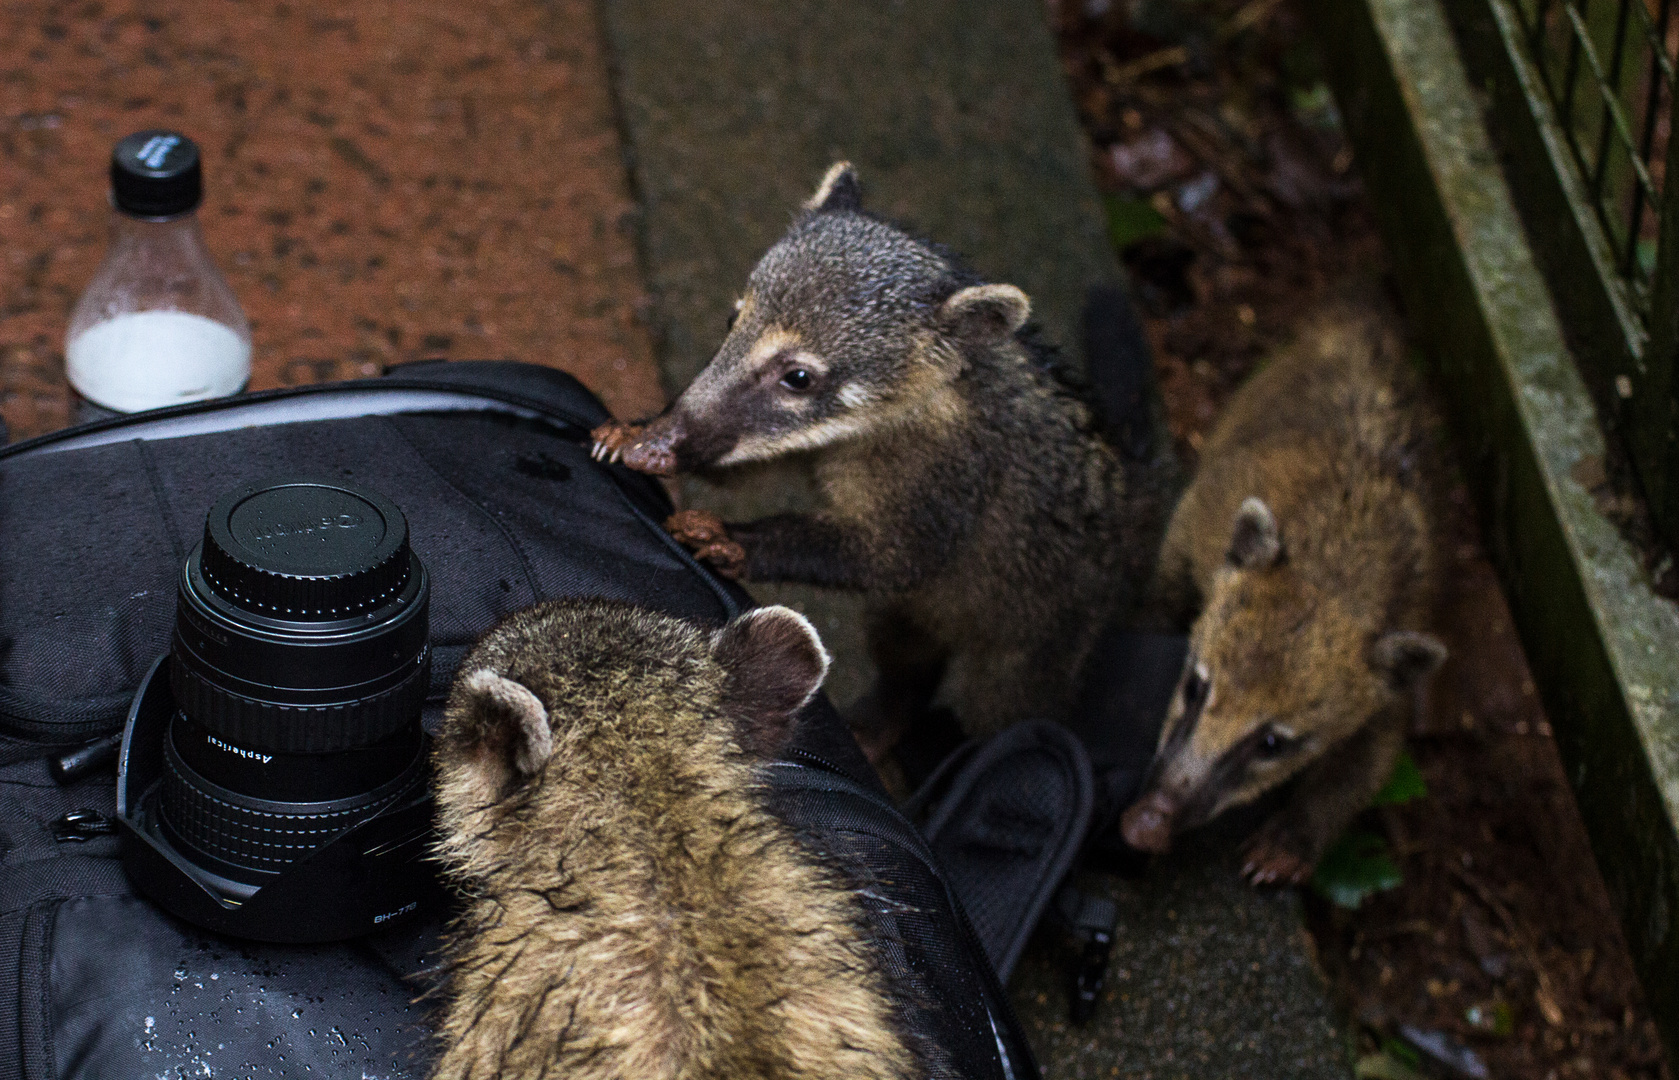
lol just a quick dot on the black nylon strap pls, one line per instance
(870, 813)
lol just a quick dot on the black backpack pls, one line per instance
(489, 462)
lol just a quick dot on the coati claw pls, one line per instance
(1271, 860)
(707, 537)
(610, 439)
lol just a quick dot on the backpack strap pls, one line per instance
(822, 801)
(1006, 825)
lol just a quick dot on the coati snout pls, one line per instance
(846, 324)
(1278, 671)
(1305, 550)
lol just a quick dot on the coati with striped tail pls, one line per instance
(638, 912)
(1307, 541)
(962, 487)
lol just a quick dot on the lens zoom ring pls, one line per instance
(247, 836)
(300, 729)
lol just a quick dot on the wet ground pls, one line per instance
(1237, 205)
(385, 181)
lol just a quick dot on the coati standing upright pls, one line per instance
(638, 912)
(1307, 541)
(962, 487)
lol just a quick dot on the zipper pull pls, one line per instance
(83, 824)
(1091, 920)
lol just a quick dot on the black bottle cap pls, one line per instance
(156, 174)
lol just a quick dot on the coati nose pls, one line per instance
(655, 452)
(1147, 825)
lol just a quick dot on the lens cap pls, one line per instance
(306, 551)
(156, 174)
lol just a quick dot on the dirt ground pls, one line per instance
(384, 180)
(1236, 203)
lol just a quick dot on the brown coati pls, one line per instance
(962, 487)
(637, 912)
(1307, 543)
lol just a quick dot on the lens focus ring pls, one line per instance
(300, 729)
(255, 832)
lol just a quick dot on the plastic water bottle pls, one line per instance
(158, 325)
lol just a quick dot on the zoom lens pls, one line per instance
(298, 666)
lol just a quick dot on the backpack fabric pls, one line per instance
(490, 464)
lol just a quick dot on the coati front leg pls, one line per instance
(909, 665)
(811, 549)
(704, 533)
(882, 556)
(1328, 795)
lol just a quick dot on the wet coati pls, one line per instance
(637, 911)
(1306, 541)
(962, 487)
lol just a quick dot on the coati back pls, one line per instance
(962, 487)
(1307, 545)
(637, 911)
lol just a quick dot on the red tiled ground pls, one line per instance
(385, 180)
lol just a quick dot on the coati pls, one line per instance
(962, 487)
(637, 911)
(1306, 541)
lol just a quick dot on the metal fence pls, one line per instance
(1607, 69)
(1595, 80)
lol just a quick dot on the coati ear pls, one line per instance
(1254, 541)
(506, 732)
(1407, 657)
(985, 312)
(839, 190)
(776, 663)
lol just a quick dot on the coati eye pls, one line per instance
(1273, 743)
(1195, 687)
(797, 380)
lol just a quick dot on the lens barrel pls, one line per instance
(299, 665)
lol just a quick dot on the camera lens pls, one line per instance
(299, 665)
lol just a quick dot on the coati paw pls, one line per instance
(704, 533)
(1270, 858)
(610, 439)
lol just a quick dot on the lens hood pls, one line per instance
(370, 875)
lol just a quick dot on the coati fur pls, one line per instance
(1307, 544)
(637, 911)
(962, 487)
